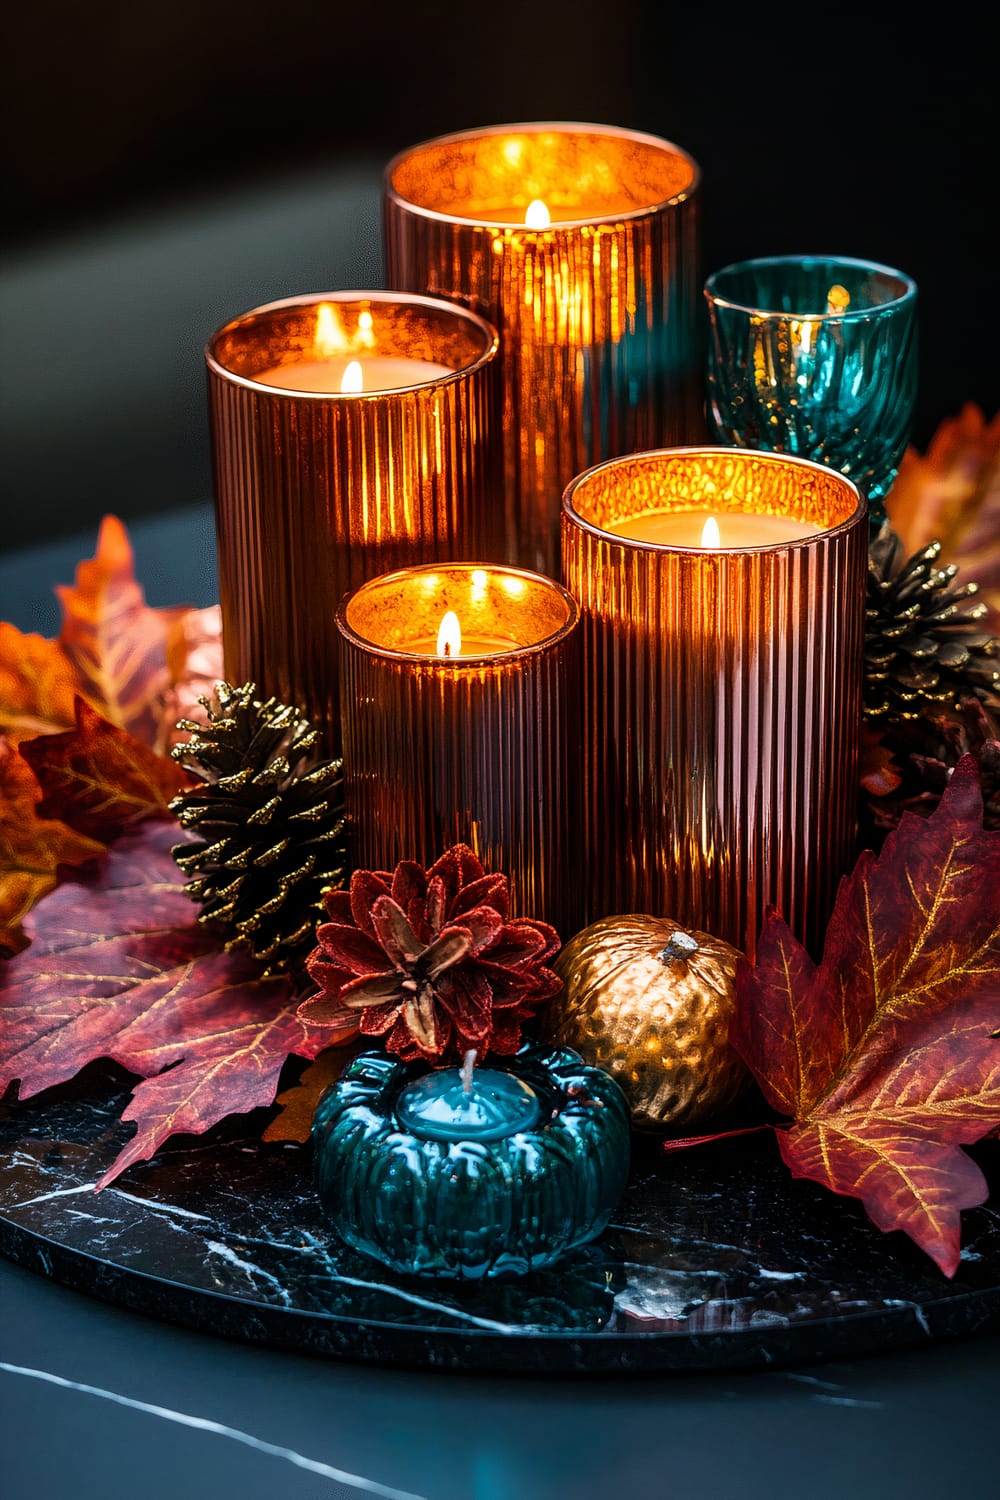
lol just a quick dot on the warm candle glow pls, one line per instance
(331, 337)
(537, 215)
(352, 379)
(838, 299)
(449, 641)
(710, 535)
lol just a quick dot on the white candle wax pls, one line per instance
(379, 372)
(738, 530)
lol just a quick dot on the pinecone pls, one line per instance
(269, 823)
(924, 649)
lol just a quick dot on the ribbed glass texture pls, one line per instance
(721, 701)
(815, 356)
(316, 493)
(470, 1209)
(599, 315)
(471, 750)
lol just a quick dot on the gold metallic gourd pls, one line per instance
(651, 1003)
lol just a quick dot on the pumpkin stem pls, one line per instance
(681, 945)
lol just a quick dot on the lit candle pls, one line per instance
(468, 1104)
(704, 529)
(580, 243)
(721, 685)
(353, 377)
(344, 359)
(352, 433)
(460, 737)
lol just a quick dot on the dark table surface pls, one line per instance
(97, 1401)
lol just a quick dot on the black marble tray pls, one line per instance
(718, 1258)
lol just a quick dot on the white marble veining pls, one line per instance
(219, 1429)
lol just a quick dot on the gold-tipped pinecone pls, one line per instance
(268, 821)
(924, 647)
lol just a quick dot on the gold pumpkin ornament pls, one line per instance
(651, 1002)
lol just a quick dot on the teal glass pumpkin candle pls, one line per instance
(449, 1173)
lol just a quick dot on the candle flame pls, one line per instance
(537, 215)
(710, 536)
(353, 377)
(449, 642)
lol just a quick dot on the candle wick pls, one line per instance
(447, 648)
(468, 1063)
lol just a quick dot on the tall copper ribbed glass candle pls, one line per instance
(352, 433)
(460, 683)
(581, 243)
(721, 685)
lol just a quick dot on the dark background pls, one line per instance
(867, 131)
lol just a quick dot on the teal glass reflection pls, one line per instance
(815, 356)
(472, 1207)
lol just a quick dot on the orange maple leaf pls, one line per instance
(297, 1104)
(951, 495)
(195, 663)
(114, 640)
(37, 685)
(100, 779)
(33, 849)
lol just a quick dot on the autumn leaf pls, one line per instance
(120, 968)
(951, 494)
(297, 1104)
(37, 685)
(33, 849)
(101, 780)
(195, 666)
(114, 640)
(886, 1056)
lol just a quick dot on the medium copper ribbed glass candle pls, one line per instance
(459, 683)
(722, 673)
(581, 243)
(352, 433)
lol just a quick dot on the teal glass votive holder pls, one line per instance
(815, 356)
(437, 1178)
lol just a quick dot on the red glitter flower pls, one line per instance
(430, 960)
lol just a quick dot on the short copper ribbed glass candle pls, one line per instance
(581, 243)
(459, 684)
(352, 433)
(722, 678)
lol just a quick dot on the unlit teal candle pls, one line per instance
(439, 1107)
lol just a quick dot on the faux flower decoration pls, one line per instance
(429, 960)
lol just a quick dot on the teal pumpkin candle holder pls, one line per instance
(468, 1173)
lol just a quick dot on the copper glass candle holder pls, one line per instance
(318, 489)
(721, 687)
(469, 747)
(598, 311)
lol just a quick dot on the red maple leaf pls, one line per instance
(886, 1055)
(100, 779)
(120, 968)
